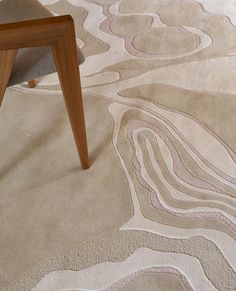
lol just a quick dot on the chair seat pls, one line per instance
(31, 63)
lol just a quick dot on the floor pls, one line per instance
(156, 211)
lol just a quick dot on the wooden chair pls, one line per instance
(30, 39)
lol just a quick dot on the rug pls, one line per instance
(157, 208)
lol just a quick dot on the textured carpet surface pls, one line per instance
(157, 209)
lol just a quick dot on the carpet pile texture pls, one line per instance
(157, 209)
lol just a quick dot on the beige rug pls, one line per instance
(156, 211)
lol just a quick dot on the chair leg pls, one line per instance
(65, 55)
(7, 59)
(32, 83)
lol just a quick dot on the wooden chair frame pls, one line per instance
(59, 34)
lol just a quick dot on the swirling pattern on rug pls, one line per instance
(159, 85)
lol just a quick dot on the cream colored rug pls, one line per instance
(156, 211)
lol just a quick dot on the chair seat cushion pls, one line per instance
(31, 63)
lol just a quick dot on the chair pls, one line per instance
(31, 41)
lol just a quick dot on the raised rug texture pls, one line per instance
(157, 209)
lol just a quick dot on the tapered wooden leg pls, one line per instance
(32, 83)
(65, 55)
(7, 59)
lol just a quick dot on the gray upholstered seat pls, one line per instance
(30, 63)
